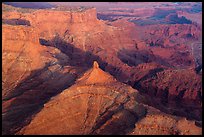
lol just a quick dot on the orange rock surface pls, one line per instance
(91, 106)
(45, 58)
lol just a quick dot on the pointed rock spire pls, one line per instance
(95, 65)
(96, 75)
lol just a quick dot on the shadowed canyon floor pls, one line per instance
(145, 75)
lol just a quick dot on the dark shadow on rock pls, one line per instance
(163, 100)
(78, 57)
(136, 57)
(29, 96)
(16, 22)
(158, 98)
(151, 74)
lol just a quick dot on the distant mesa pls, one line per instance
(32, 5)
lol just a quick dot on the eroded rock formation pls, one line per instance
(101, 105)
(43, 58)
(96, 104)
(158, 123)
(31, 75)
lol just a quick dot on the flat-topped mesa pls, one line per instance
(45, 21)
(96, 76)
(42, 16)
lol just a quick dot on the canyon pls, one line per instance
(47, 62)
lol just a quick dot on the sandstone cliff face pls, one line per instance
(29, 75)
(21, 51)
(51, 22)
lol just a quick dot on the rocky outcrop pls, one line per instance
(31, 74)
(96, 104)
(158, 123)
(43, 21)
(180, 97)
(43, 59)
(96, 76)
(190, 87)
(104, 106)
(21, 52)
(89, 15)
